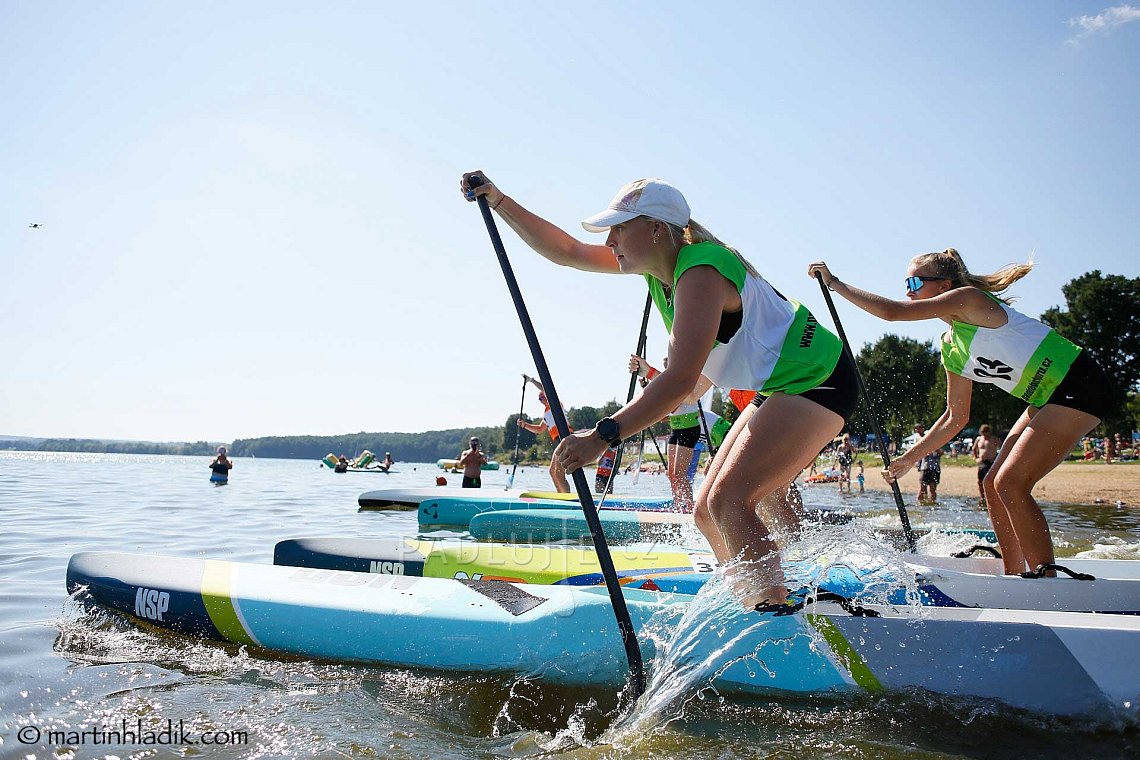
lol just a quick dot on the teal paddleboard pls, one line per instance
(1052, 662)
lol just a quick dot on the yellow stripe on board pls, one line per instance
(550, 495)
(217, 590)
(845, 653)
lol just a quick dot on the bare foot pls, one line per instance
(754, 583)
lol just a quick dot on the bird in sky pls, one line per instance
(35, 226)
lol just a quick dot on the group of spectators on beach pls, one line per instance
(1111, 448)
(846, 466)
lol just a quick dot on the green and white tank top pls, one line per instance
(779, 346)
(1023, 357)
(684, 416)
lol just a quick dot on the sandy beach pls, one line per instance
(1071, 483)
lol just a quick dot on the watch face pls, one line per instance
(608, 430)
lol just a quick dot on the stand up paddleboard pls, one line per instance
(566, 565)
(458, 512)
(937, 581)
(621, 526)
(412, 498)
(1052, 662)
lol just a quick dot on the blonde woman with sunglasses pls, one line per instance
(990, 342)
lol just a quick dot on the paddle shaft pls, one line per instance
(609, 573)
(641, 340)
(640, 452)
(518, 433)
(871, 414)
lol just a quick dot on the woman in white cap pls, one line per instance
(727, 323)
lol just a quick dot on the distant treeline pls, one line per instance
(96, 446)
(405, 447)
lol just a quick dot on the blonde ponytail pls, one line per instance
(949, 264)
(695, 232)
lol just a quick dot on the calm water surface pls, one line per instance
(65, 669)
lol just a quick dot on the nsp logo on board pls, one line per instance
(151, 603)
(386, 568)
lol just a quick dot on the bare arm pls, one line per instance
(703, 385)
(532, 427)
(957, 414)
(548, 240)
(701, 296)
(964, 304)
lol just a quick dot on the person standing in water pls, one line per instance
(557, 474)
(990, 342)
(845, 457)
(221, 467)
(472, 461)
(727, 323)
(929, 471)
(985, 448)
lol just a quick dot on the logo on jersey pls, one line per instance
(809, 332)
(994, 368)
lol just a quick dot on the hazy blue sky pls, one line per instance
(251, 222)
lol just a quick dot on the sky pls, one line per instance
(251, 222)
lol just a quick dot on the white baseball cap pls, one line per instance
(653, 198)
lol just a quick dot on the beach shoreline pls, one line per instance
(1070, 483)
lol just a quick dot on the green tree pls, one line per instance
(898, 373)
(1132, 411)
(1103, 316)
(512, 431)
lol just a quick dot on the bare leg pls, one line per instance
(679, 459)
(761, 460)
(558, 476)
(701, 515)
(1044, 437)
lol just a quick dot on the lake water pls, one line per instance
(69, 670)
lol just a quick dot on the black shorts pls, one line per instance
(472, 482)
(1083, 387)
(686, 437)
(930, 477)
(838, 393)
(984, 468)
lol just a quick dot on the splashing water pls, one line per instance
(697, 643)
(1113, 548)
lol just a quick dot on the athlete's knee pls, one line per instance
(1012, 481)
(725, 501)
(702, 516)
(989, 482)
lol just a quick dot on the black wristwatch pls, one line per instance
(609, 431)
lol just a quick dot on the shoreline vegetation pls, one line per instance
(1073, 482)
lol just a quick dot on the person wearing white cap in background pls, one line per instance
(727, 323)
